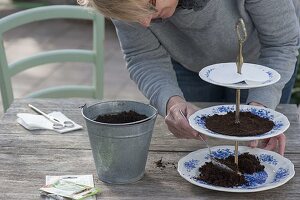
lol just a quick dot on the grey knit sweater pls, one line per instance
(200, 38)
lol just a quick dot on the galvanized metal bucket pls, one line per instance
(120, 150)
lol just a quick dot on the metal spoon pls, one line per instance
(213, 160)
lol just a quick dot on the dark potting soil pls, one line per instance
(248, 163)
(250, 124)
(162, 164)
(214, 175)
(122, 117)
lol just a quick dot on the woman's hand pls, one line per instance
(272, 143)
(176, 122)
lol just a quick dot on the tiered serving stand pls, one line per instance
(278, 170)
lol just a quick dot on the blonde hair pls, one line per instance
(127, 10)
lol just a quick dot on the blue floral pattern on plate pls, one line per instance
(191, 164)
(198, 121)
(220, 153)
(208, 72)
(255, 180)
(278, 170)
(268, 159)
(280, 175)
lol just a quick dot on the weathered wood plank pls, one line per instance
(79, 140)
(17, 136)
(20, 104)
(64, 160)
(161, 140)
(157, 183)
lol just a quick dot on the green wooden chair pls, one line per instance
(94, 56)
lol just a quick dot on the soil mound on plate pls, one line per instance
(214, 175)
(250, 124)
(120, 118)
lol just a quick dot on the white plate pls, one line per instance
(212, 74)
(281, 122)
(227, 74)
(278, 170)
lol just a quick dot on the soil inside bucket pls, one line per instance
(214, 175)
(250, 124)
(120, 118)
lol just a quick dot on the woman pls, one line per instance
(167, 42)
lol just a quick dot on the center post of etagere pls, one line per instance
(242, 36)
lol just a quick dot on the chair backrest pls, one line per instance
(94, 55)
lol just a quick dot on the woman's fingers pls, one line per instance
(178, 133)
(172, 122)
(178, 124)
(281, 144)
(274, 142)
(253, 143)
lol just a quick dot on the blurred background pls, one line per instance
(58, 34)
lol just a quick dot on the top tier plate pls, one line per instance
(212, 75)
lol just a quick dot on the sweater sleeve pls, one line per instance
(148, 63)
(278, 31)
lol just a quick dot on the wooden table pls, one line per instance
(28, 156)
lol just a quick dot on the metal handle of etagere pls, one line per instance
(242, 36)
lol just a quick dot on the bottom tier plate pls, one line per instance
(278, 169)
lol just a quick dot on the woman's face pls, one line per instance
(165, 9)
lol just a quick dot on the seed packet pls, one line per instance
(69, 189)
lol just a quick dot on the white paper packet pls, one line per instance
(68, 186)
